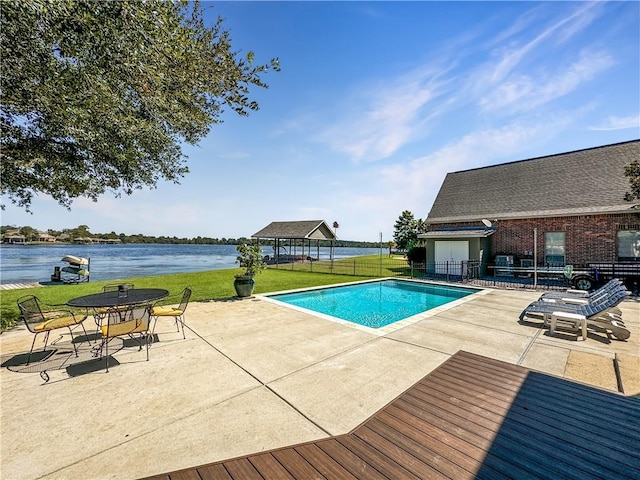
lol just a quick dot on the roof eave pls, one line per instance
(616, 209)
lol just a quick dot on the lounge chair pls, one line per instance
(603, 313)
(583, 296)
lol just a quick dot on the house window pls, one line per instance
(554, 248)
(629, 245)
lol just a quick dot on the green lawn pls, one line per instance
(216, 284)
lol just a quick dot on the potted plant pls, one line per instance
(250, 258)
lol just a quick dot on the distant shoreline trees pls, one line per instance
(70, 235)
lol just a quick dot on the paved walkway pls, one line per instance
(253, 376)
(14, 286)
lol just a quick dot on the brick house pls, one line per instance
(563, 209)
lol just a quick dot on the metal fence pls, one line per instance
(469, 272)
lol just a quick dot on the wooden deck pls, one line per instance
(472, 417)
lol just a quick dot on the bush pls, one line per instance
(417, 255)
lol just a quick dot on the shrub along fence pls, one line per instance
(468, 272)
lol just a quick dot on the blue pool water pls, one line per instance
(375, 304)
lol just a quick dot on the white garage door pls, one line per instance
(452, 252)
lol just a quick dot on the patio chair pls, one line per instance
(176, 312)
(137, 326)
(39, 321)
(583, 296)
(118, 287)
(602, 313)
(100, 313)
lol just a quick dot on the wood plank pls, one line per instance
(296, 464)
(443, 457)
(376, 459)
(356, 465)
(242, 469)
(269, 467)
(215, 471)
(394, 450)
(324, 464)
(579, 447)
(468, 440)
(186, 475)
(449, 405)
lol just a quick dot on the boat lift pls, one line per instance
(77, 270)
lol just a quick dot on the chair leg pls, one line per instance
(155, 322)
(31, 351)
(85, 333)
(106, 356)
(46, 340)
(75, 347)
(181, 320)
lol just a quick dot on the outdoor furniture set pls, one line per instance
(119, 311)
(578, 310)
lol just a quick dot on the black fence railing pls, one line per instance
(384, 267)
(469, 272)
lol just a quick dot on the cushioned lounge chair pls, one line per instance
(602, 313)
(583, 296)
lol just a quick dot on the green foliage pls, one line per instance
(83, 231)
(405, 230)
(29, 233)
(99, 95)
(250, 258)
(633, 172)
(417, 255)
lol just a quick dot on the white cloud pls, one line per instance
(515, 53)
(619, 123)
(418, 181)
(524, 92)
(379, 121)
(384, 118)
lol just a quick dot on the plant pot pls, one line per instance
(244, 285)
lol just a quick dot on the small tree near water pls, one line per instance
(250, 258)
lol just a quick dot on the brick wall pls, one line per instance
(588, 238)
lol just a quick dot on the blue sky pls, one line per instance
(375, 103)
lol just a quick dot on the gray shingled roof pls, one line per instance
(584, 182)
(315, 229)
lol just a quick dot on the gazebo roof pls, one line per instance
(304, 229)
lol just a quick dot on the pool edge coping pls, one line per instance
(387, 329)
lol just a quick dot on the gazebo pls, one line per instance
(294, 234)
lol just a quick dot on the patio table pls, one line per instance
(133, 296)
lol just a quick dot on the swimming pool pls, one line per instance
(375, 304)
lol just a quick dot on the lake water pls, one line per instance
(35, 263)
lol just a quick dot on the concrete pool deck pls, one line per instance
(253, 375)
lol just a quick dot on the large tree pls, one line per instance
(99, 96)
(404, 230)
